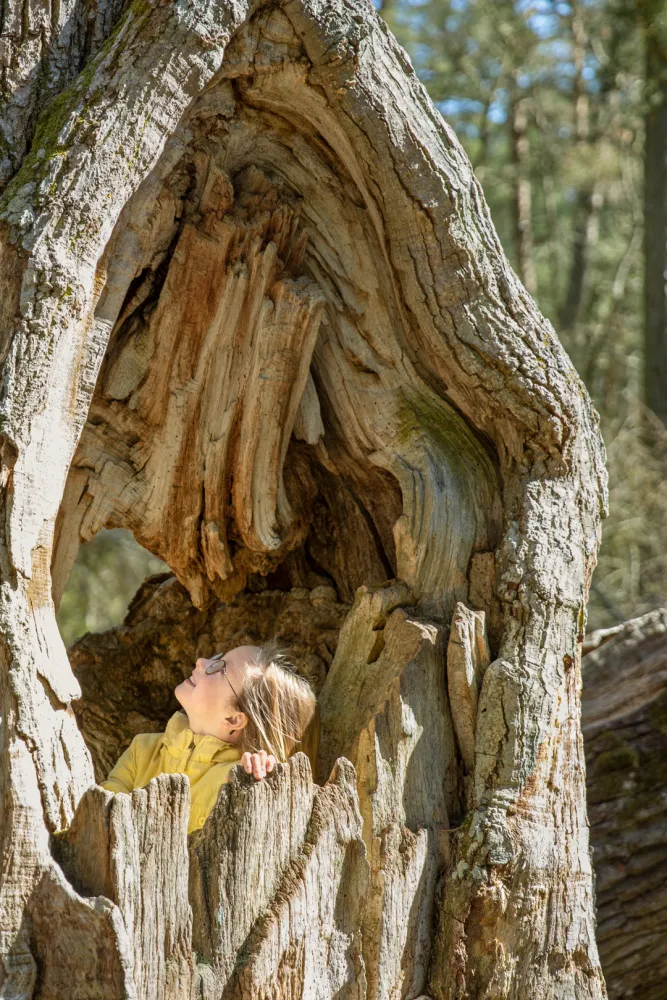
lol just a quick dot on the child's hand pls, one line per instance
(260, 764)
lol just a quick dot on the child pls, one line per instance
(247, 706)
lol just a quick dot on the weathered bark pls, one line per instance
(257, 313)
(44, 47)
(133, 851)
(384, 707)
(296, 854)
(268, 859)
(467, 659)
(624, 718)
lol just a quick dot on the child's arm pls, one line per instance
(123, 773)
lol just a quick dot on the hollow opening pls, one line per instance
(128, 672)
(262, 422)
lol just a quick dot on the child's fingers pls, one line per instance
(259, 764)
(263, 756)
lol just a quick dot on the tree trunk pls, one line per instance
(522, 199)
(256, 312)
(655, 210)
(585, 215)
(624, 718)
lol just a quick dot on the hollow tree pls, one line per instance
(255, 311)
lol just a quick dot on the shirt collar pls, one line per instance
(178, 737)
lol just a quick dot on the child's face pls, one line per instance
(209, 699)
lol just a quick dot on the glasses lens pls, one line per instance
(216, 663)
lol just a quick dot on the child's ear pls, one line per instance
(237, 721)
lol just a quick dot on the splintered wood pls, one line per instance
(202, 396)
(243, 855)
(467, 658)
(384, 706)
(256, 398)
(305, 884)
(278, 879)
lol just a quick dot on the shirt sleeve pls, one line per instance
(122, 775)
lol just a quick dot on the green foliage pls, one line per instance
(105, 577)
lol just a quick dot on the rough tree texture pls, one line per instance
(255, 311)
(624, 717)
(42, 49)
(133, 850)
(384, 707)
(278, 879)
(467, 658)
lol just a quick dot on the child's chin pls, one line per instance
(181, 689)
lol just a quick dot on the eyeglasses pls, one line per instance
(217, 665)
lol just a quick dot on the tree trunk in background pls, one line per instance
(588, 201)
(624, 718)
(255, 311)
(522, 201)
(655, 210)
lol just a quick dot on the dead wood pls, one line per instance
(624, 719)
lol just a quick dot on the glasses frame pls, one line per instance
(218, 665)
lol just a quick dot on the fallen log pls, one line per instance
(624, 723)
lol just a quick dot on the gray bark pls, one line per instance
(44, 47)
(256, 312)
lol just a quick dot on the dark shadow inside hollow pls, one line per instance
(128, 674)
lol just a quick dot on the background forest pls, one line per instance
(562, 108)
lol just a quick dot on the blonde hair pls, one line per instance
(279, 704)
